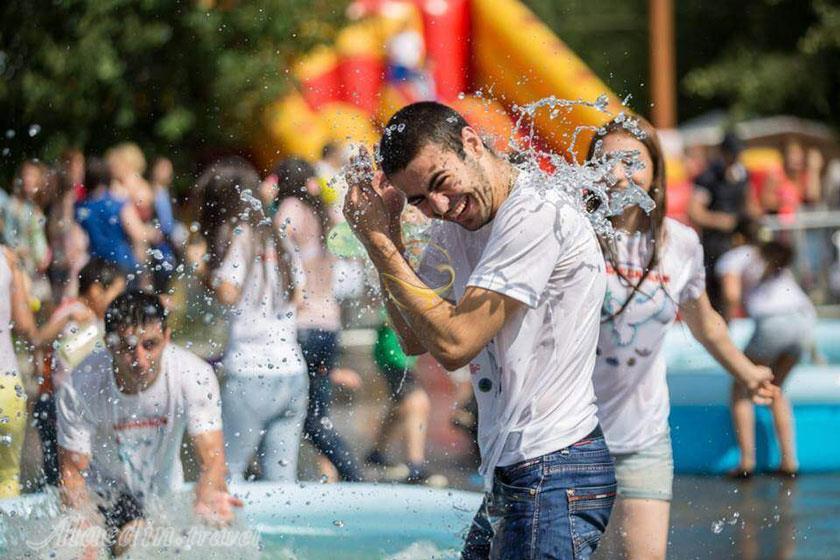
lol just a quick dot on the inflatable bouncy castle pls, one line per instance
(396, 52)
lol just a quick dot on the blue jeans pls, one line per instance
(555, 506)
(320, 349)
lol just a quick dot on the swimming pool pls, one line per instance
(292, 521)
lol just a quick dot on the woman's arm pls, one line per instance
(709, 328)
(731, 287)
(23, 321)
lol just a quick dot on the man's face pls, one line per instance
(137, 351)
(442, 185)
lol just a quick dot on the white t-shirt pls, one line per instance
(633, 400)
(134, 441)
(533, 381)
(263, 326)
(777, 295)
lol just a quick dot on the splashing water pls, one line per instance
(591, 181)
(45, 531)
(590, 185)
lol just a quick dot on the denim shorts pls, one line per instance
(647, 474)
(780, 334)
(553, 506)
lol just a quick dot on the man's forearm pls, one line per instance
(411, 345)
(426, 315)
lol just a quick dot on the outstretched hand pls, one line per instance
(215, 507)
(372, 206)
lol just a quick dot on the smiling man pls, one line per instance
(122, 415)
(522, 310)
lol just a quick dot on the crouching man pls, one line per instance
(121, 421)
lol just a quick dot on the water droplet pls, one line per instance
(34, 130)
(338, 523)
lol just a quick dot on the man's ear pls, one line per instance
(473, 144)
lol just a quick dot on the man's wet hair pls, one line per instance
(416, 126)
(98, 271)
(134, 308)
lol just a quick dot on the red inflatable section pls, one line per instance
(446, 29)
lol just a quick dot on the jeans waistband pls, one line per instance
(552, 456)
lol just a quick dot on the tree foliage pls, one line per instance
(753, 57)
(177, 76)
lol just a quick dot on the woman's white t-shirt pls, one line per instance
(776, 295)
(263, 326)
(629, 378)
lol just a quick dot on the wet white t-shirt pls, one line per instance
(263, 324)
(533, 381)
(630, 383)
(777, 295)
(134, 441)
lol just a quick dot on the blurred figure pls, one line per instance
(68, 242)
(127, 164)
(250, 269)
(162, 260)
(24, 227)
(333, 185)
(804, 169)
(721, 198)
(407, 416)
(306, 221)
(74, 330)
(115, 232)
(16, 316)
(757, 277)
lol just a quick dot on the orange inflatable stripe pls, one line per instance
(523, 61)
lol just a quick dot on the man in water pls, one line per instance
(122, 415)
(522, 310)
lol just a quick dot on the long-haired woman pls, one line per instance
(308, 222)
(251, 270)
(655, 269)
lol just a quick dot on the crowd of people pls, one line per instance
(565, 424)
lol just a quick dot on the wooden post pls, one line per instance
(662, 64)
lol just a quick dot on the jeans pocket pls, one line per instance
(513, 514)
(589, 512)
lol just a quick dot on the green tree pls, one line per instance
(184, 78)
(784, 59)
(754, 57)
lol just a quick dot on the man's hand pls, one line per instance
(372, 207)
(760, 385)
(215, 507)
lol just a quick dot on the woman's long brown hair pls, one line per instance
(223, 206)
(645, 133)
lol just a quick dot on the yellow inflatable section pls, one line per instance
(518, 59)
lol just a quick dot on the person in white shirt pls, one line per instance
(654, 270)
(254, 270)
(756, 277)
(523, 313)
(122, 415)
